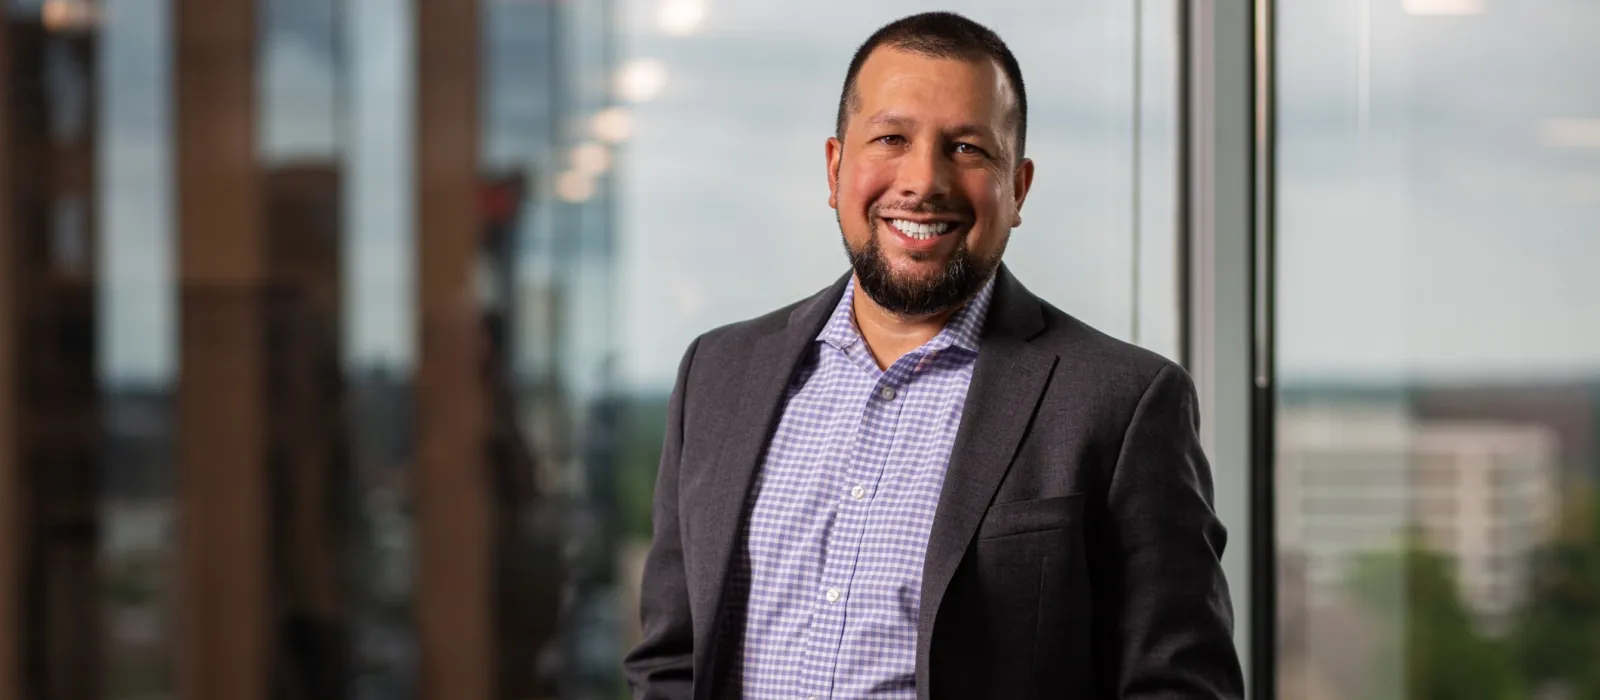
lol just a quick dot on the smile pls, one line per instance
(921, 231)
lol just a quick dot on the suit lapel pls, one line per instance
(756, 407)
(1007, 383)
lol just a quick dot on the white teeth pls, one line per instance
(921, 232)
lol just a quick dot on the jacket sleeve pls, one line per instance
(1163, 618)
(661, 666)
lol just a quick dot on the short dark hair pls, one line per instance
(939, 35)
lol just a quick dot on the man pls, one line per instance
(924, 481)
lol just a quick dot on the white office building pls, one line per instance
(1358, 478)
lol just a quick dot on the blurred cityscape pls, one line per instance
(250, 498)
(1439, 540)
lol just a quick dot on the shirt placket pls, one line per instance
(856, 487)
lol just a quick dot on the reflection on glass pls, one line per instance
(92, 434)
(378, 344)
(1439, 412)
(550, 142)
(308, 459)
(138, 553)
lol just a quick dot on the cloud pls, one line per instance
(1438, 235)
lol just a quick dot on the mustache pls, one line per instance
(920, 206)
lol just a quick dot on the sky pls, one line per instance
(1425, 225)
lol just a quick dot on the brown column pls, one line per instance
(52, 395)
(451, 486)
(10, 523)
(307, 428)
(222, 397)
(64, 403)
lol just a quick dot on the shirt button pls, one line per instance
(858, 493)
(832, 595)
(887, 393)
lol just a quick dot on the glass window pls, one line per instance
(1436, 217)
(138, 553)
(374, 89)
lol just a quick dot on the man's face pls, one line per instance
(926, 183)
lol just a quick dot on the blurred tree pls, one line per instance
(645, 425)
(1431, 650)
(1557, 635)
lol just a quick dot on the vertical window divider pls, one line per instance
(1220, 231)
(1263, 404)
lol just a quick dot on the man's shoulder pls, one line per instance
(735, 340)
(1088, 349)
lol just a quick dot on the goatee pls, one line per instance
(963, 275)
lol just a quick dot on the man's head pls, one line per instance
(926, 169)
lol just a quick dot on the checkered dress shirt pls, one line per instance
(839, 516)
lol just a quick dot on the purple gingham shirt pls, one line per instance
(840, 513)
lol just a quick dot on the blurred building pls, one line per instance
(1360, 478)
(279, 517)
(1569, 408)
(49, 151)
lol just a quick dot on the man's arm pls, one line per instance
(661, 667)
(1164, 622)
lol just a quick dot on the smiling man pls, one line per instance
(925, 482)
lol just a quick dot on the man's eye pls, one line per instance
(968, 149)
(891, 140)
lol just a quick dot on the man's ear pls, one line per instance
(835, 152)
(1021, 181)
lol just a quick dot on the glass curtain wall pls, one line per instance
(1438, 420)
(373, 64)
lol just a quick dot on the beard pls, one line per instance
(964, 274)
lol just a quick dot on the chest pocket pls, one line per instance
(1036, 515)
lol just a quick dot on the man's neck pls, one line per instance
(889, 335)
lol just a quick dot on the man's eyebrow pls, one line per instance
(981, 130)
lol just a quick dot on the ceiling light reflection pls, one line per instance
(1443, 8)
(641, 79)
(681, 17)
(68, 15)
(574, 186)
(612, 125)
(591, 158)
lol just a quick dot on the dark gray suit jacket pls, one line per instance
(1074, 553)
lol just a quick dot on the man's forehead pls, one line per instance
(886, 65)
(888, 60)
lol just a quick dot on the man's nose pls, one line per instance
(925, 173)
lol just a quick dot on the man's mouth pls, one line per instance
(925, 231)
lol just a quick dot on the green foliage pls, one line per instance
(644, 426)
(1430, 649)
(1433, 650)
(1557, 636)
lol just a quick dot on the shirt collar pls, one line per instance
(963, 329)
